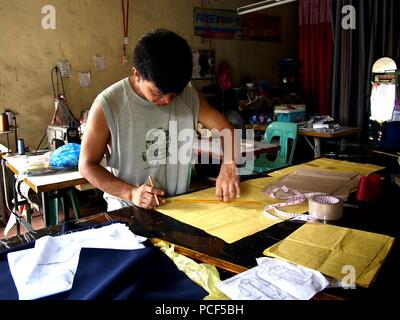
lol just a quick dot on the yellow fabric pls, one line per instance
(329, 248)
(232, 222)
(205, 275)
(331, 164)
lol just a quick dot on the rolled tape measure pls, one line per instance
(325, 207)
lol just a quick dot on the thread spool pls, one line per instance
(323, 207)
(21, 146)
(4, 124)
(369, 188)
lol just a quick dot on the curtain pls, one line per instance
(315, 52)
(376, 35)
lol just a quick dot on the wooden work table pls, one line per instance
(317, 135)
(48, 182)
(341, 133)
(239, 256)
(53, 186)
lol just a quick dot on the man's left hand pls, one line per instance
(228, 183)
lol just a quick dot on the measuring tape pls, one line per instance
(293, 197)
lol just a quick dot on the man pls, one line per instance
(138, 119)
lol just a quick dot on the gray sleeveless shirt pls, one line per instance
(144, 138)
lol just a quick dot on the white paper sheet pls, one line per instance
(274, 279)
(50, 266)
(99, 62)
(85, 79)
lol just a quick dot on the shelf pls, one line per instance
(4, 132)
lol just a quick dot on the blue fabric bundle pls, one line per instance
(66, 156)
(105, 274)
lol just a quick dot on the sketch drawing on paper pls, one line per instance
(294, 275)
(259, 289)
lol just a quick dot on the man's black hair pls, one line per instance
(164, 58)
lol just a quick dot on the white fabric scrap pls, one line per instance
(49, 268)
(274, 279)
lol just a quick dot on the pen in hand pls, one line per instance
(155, 196)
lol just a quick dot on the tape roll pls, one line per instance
(324, 207)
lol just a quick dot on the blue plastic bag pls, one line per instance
(66, 156)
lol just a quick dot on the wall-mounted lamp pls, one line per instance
(261, 5)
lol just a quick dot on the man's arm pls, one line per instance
(94, 145)
(228, 182)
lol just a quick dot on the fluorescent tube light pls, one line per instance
(261, 5)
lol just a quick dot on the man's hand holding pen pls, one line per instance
(145, 196)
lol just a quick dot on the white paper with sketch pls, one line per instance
(248, 285)
(50, 266)
(301, 282)
(274, 279)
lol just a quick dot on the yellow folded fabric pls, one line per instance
(205, 275)
(331, 249)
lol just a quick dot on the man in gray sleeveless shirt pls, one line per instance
(140, 122)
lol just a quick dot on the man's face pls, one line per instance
(150, 92)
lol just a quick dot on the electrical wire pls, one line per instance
(44, 136)
(57, 73)
(19, 219)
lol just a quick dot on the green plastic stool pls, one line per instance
(54, 206)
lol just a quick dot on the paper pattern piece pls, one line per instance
(338, 184)
(232, 222)
(329, 248)
(274, 279)
(85, 79)
(99, 62)
(50, 266)
(363, 169)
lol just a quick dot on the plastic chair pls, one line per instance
(68, 195)
(286, 132)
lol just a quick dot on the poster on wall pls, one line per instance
(99, 62)
(65, 68)
(203, 64)
(226, 24)
(85, 79)
(256, 26)
(216, 23)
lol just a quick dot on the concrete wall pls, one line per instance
(88, 27)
